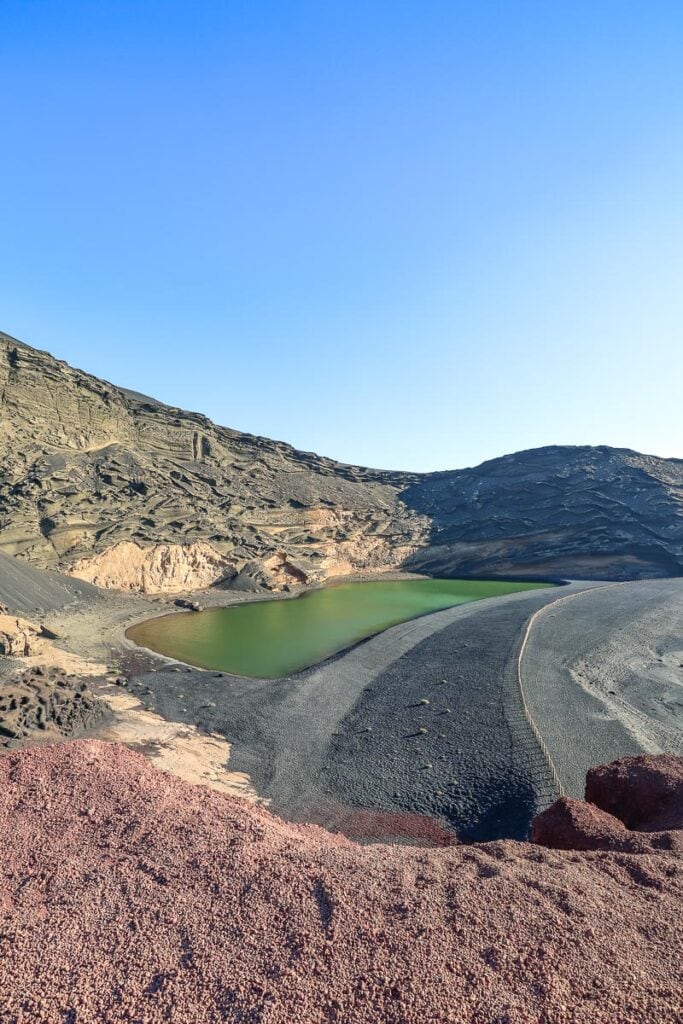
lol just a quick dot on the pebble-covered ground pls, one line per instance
(422, 721)
(127, 895)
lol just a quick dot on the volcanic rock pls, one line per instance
(646, 792)
(141, 495)
(159, 568)
(575, 825)
(127, 895)
(19, 638)
(559, 511)
(43, 703)
(634, 804)
(87, 466)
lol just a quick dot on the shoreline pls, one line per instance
(331, 734)
(303, 593)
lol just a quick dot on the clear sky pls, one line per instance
(403, 234)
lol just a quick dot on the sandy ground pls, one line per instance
(127, 896)
(422, 723)
(173, 746)
(603, 675)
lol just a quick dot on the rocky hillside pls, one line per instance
(124, 491)
(90, 474)
(591, 513)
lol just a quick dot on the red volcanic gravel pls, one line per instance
(128, 895)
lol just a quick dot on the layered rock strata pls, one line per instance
(87, 467)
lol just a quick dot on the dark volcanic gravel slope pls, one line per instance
(347, 734)
(127, 896)
(441, 732)
(27, 590)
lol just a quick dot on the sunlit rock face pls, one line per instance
(156, 568)
(87, 466)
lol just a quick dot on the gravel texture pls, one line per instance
(603, 675)
(127, 895)
(423, 721)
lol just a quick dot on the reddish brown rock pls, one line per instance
(576, 825)
(645, 792)
(127, 895)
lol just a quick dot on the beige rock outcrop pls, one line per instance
(19, 638)
(158, 569)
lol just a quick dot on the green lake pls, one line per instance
(270, 639)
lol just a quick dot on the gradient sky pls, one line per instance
(408, 235)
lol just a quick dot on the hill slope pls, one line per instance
(590, 512)
(86, 466)
(125, 491)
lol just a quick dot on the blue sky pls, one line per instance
(408, 235)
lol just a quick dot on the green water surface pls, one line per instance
(270, 639)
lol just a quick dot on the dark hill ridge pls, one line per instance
(131, 492)
(595, 512)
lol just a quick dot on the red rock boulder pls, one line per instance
(644, 792)
(574, 825)
(634, 805)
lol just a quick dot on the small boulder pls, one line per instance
(574, 825)
(645, 792)
(19, 638)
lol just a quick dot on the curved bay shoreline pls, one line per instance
(346, 738)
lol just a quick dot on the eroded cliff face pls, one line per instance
(130, 493)
(140, 495)
(156, 569)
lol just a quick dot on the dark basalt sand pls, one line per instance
(129, 896)
(348, 737)
(28, 590)
(354, 732)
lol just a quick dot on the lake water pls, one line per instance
(270, 639)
